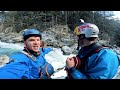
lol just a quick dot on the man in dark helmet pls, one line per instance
(29, 63)
(93, 61)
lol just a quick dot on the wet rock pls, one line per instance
(66, 50)
(3, 60)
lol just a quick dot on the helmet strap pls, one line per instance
(81, 36)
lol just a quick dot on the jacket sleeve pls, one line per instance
(76, 74)
(13, 70)
(104, 66)
(45, 50)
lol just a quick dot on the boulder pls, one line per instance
(3, 60)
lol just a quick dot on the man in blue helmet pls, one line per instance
(29, 63)
(93, 60)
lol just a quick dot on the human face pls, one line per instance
(33, 43)
(81, 40)
(84, 41)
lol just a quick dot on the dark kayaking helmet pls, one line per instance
(31, 32)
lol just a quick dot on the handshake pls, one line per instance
(73, 62)
(77, 61)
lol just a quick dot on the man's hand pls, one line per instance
(70, 62)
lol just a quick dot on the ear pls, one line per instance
(41, 43)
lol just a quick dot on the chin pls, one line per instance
(35, 50)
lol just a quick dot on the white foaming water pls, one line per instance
(11, 46)
(58, 61)
(56, 58)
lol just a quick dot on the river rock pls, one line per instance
(3, 60)
(66, 50)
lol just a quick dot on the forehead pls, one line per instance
(34, 37)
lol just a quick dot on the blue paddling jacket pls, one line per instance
(23, 67)
(100, 65)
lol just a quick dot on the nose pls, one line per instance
(36, 41)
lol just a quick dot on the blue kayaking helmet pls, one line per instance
(31, 32)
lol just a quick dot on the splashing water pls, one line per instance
(11, 46)
(58, 61)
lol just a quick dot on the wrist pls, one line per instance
(72, 69)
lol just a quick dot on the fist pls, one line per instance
(70, 62)
(73, 62)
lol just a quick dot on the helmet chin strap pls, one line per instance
(32, 52)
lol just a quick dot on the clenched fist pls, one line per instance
(73, 62)
(70, 62)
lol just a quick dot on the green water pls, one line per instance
(7, 51)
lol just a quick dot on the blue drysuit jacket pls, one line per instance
(23, 67)
(101, 65)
